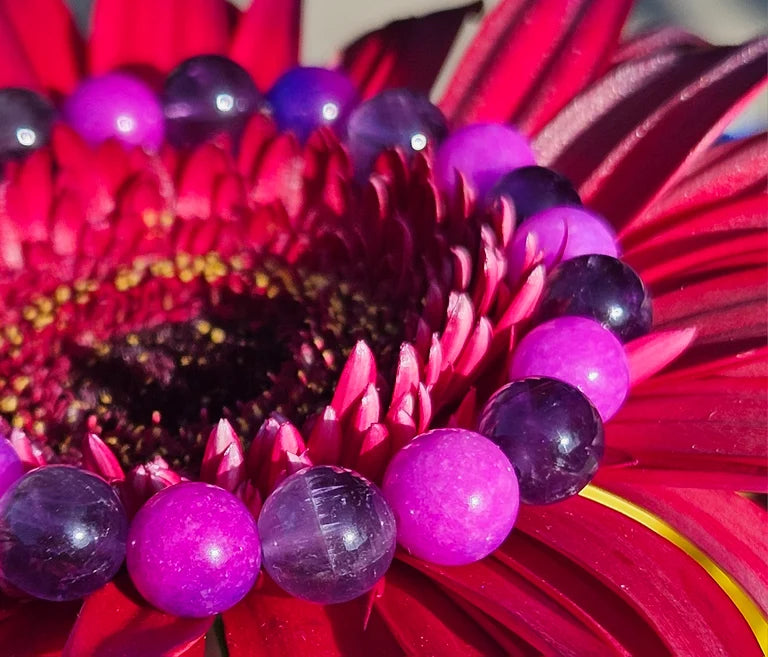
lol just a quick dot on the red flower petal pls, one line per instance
(653, 352)
(15, 68)
(22, 634)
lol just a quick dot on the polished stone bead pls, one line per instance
(307, 97)
(116, 105)
(206, 95)
(328, 534)
(62, 533)
(533, 189)
(395, 118)
(602, 288)
(10, 465)
(578, 351)
(551, 433)
(561, 233)
(193, 550)
(25, 122)
(454, 494)
(482, 153)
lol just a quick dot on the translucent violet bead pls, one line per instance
(482, 153)
(10, 465)
(62, 533)
(307, 97)
(533, 189)
(193, 550)
(25, 122)
(578, 351)
(327, 533)
(550, 432)
(455, 496)
(116, 105)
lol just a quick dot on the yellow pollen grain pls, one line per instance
(163, 269)
(42, 321)
(185, 360)
(143, 357)
(198, 264)
(218, 336)
(132, 339)
(105, 398)
(13, 334)
(237, 263)
(20, 383)
(203, 327)
(17, 422)
(186, 275)
(149, 217)
(29, 313)
(81, 299)
(39, 428)
(9, 404)
(62, 294)
(272, 291)
(261, 280)
(166, 219)
(183, 260)
(46, 305)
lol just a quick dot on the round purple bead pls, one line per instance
(193, 550)
(563, 231)
(328, 534)
(395, 118)
(533, 189)
(25, 122)
(62, 533)
(206, 95)
(603, 288)
(578, 351)
(305, 98)
(483, 153)
(11, 467)
(116, 105)
(550, 432)
(454, 494)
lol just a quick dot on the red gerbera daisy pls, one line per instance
(130, 283)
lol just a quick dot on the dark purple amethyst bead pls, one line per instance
(305, 98)
(206, 95)
(394, 118)
(550, 432)
(602, 288)
(533, 189)
(10, 465)
(25, 122)
(62, 533)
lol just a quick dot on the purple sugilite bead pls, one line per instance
(483, 153)
(578, 351)
(533, 189)
(564, 231)
(306, 97)
(11, 467)
(550, 432)
(62, 533)
(603, 288)
(206, 95)
(328, 534)
(116, 105)
(393, 118)
(193, 550)
(25, 122)
(455, 496)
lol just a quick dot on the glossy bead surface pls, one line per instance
(455, 496)
(393, 118)
(483, 153)
(550, 432)
(10, 465)
(533, 189)
(25, 122)
(115, 105)
(193, 550)
(578, 351)
(62, 533)
(561, 233)
(305, 98)
(603, 288)
(327, 533)
(206, 95)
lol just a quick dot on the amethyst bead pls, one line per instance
(533, 189)
(62, 533)
(602, 288)
(454, 494)
(482, 153)
(550, 432)
(561, 233)
(10, 465)
(395, 118)
(328, 534)
(25, 122)
(116, 105)
(206, 95)
(305, 98)
(193, 550)
(578, 351)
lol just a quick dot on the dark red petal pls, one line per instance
(22, 634)
(647, 43)
(530, 58)
(116, 622)
(266, 41)
(407, 53)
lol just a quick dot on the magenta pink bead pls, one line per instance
(483, 153)
(116, 105)
(567, 230)
(578, 351)
(454, 494)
